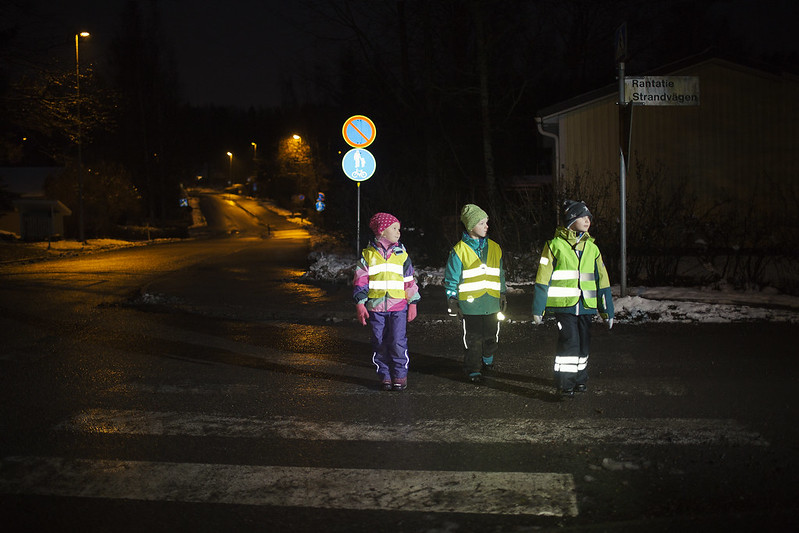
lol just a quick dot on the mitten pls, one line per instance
(362, 313)
(411, 312)
(537, 319)
(608, 320)
(454, 308)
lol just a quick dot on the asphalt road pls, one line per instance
(204, 386)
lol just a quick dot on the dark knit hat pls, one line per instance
(573, 210)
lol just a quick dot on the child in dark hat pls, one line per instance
(572, 283)
(474, 280)
(385, 294)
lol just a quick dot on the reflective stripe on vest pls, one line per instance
(479, 278)
(573, 277)
(386, 275)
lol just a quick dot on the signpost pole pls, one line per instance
(621, 56)
(622, 185)
(358, 230)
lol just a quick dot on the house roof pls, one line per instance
(26, 182)
(38, 204)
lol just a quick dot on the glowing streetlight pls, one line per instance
(230, 169)
(254, 151)
(296, 137)
(81, 233)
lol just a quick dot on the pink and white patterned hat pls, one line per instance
(380, 221)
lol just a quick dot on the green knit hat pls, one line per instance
(471, 215)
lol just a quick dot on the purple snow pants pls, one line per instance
(390, 343)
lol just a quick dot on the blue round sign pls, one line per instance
(359, 131)
(358, 164)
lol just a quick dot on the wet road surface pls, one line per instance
(205, 386)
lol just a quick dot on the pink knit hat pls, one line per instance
(380, 221)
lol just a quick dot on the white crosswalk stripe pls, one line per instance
(626, 431)
(516, 493)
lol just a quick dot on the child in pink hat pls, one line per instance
(385, 294)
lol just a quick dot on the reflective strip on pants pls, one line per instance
(570, 364)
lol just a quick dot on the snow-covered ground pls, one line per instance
(641, 304)
(21, 252)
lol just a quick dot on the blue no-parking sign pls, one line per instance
(359, 131)
(358, 164)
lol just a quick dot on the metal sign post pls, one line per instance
(622, 186)
(620, 43)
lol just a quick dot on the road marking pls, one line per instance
(626, 431)
(511, 493)
(432, 388)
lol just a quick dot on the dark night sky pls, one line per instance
(227, 53)
(235, 52)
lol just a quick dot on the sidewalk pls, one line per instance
(26, 252)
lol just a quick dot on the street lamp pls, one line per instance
(81, 233)
(254, 151)
(230, 169)
(296, 137)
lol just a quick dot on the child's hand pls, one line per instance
(362, 313)
(537, 319)
(503, 303)
(607, 320)
(454, 308)
(411, 312)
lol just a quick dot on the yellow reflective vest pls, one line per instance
(573, 276)
(386, 276)
(479, 278)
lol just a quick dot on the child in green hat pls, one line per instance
(474, 282)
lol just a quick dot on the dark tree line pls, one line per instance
(452, 85)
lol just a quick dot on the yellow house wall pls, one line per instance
(741, 144)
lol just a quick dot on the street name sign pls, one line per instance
(662, 90)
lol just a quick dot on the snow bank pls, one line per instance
(642, 304)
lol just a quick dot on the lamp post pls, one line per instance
(81, 233)
(230, 169)
(254, 150)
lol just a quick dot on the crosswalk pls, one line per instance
(158, 409)
(429, 491)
